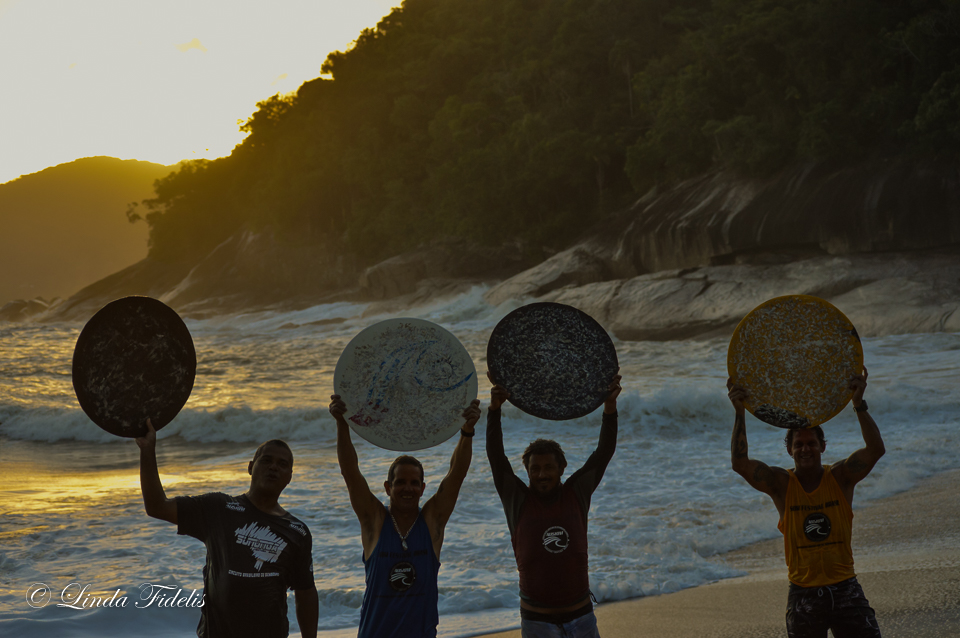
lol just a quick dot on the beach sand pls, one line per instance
(907, 553)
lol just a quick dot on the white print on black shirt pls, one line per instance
(556, 539)
(265, 545)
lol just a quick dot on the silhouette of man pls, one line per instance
(402, 542)
(548, 523)
(256, 550)
(816, 518)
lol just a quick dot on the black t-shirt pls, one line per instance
(253, 558)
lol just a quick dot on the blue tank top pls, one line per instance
(401, 596)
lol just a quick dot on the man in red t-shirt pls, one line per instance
(548, 523)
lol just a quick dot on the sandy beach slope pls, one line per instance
(907, 552)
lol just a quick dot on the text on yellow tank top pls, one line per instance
(816, 530)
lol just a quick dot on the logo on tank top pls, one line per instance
(402, 576)
(556, 539)
(816, 527)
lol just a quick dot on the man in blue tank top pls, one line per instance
(401, 543)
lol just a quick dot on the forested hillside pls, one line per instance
(531, 120)
(63, 227)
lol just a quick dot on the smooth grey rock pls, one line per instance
(881, 294)
(26, 309)
(577, 266)
(446, 259)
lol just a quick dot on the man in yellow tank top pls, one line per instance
(816, 518)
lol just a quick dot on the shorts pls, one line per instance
(583, 627)
(842, 608)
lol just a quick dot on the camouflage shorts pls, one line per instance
(841, 607)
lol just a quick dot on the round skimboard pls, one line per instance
(406, 383)
(556, 361)
(795, 355)
(134, 360)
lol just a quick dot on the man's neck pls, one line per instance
(404, 518)
(265, 502)
(809, 477)
(551, 496)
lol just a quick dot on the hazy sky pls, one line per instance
(161, 81)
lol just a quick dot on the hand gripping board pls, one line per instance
(134, 360)
(556, 361)
(795, 356)
(406, 383)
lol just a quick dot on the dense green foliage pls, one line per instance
(532, 119)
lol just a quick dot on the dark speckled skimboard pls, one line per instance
(556, 361)
(795, 355)
(133, 360)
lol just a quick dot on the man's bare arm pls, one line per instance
(858, 465)
(760, 476)
(365, 505)
(308, 611)
(437, 510)
(155, 501)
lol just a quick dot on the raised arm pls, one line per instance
(855, 468)
(437, 510)
(155, 501)
(503, 474)
(369, 510)
(769, 480)
(587, 478)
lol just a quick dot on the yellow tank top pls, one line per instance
(816, 531)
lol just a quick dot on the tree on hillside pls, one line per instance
(533, 119)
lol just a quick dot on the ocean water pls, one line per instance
(72, 526)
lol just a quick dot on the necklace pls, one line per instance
(403, 537)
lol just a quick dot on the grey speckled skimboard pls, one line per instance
(133, 360)
(406, 383)
(795, 355)
(556, 361)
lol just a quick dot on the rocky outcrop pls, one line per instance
(811, 210)
(820, 208)
(435, 265)
(585, 263)
(878, 239)
(26, 309)
(881, 294)
(247, 271)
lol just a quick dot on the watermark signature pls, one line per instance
(78, 596)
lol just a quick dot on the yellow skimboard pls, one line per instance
(795, 356)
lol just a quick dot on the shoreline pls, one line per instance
(907, 552)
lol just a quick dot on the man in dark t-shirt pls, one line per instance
(256, 550)
(548, 523)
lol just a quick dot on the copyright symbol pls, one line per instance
(38, 595)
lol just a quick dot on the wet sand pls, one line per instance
(907, 553)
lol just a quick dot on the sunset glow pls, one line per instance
(160, 82)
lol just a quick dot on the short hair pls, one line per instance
(403, 460)
(788, 439)
(277, 442)
(544, 446)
